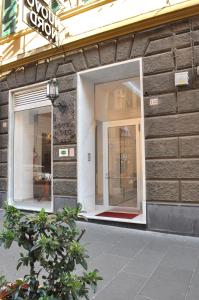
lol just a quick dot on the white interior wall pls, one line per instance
(23, 156)
(86, 134)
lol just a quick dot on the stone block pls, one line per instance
(188, 123)
(66, 158)
(183, 124)
(3, 112)
(20, 78)
(160, 83)
(162, 169)
(181, 219)
(195, 36)
(162, 191)
(30, 73)
(172, 169)
(139, 44)
(124, 45)
(166, 105)
(161, 126)
(3, 184)
(61, 202)
(4, 97)
(3, 126)
(65, 187)
(11, 80)
(53, 66)
(190, 191)
(65, 121)
(92, 56)
(3, 170)
(182, 40)
(160, 45)
(158, 63)
(195, 22)
(78, 60)
(65, 69)
(41, 71)
(3, 198)
(181, 26)
(65, 170)
(3, 85)
(188, 100)
(3, 155)
(107, 52)
(67, 83)
(188, 168)
(183, 58)
(189, 146)
(3, 141)
(196, 55)
(161, 148)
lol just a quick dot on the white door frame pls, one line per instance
(106, 125)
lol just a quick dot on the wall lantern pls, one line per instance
(52, 92)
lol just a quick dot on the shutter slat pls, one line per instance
(29, 99)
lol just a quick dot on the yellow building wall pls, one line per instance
(87, 24)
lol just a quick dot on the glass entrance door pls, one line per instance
(121, 164)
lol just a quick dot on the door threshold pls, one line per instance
(140, 219)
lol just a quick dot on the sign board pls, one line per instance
(63, 152)
(39, 16)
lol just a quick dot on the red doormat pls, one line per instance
(111, 214)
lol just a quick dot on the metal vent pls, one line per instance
(31, 99)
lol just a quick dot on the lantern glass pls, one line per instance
(52, 89)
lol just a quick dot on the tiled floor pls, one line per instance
(135, 265)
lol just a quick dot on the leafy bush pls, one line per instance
(51, 244)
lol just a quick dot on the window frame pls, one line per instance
(11, 128)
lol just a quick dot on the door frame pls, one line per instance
(86, 81)
(106, 125)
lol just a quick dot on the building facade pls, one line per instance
(123, 136)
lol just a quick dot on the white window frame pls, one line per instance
(11, 124)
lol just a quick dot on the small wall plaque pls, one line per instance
(153, 101)
(181, 78)
(71, 152)
(63, 152)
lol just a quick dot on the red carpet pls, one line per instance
(119, 215)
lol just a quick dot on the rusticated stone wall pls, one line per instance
(171, 127)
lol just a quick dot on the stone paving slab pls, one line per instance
(135, 265)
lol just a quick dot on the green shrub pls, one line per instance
(51, 244)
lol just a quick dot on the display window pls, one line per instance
(31, 150)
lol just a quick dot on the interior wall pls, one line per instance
(86, 144)
(23, 156)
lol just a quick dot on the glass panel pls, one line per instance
(32, 158)
(122, 168)
(118, 100)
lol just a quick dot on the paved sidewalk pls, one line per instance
(135, 265)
